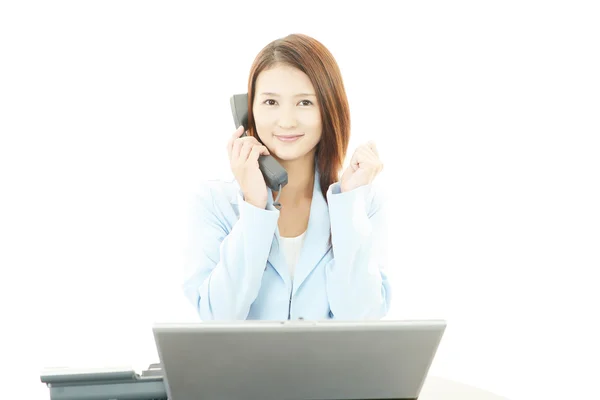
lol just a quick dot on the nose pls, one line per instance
(287, 118)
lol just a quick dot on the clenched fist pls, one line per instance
(364, 167)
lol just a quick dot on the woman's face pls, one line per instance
(286, 113)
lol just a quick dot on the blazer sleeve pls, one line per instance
(357, 285)
(225, 266)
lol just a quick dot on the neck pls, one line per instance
(301, 174)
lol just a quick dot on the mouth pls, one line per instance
(289, 138)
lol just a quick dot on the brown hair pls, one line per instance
(315, 60)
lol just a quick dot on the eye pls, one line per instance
(272, 104)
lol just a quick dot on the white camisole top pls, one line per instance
(291, 246)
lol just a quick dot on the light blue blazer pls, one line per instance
(236, 271)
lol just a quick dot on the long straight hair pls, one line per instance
(315, 60)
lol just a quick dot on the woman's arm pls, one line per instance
(357, 285)
(225, 266)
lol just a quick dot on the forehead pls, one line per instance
(284, 80)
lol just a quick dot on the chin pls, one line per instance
(289, 156)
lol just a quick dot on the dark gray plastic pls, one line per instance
(104, 383)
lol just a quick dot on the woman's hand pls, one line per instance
(243, 159)
(364, 167)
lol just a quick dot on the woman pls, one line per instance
(321, 255)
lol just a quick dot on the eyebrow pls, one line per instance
(277, 95)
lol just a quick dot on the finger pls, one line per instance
(366, 158)
(245, 151)
(241, 142)
(365, 154)
(250, 139)
(229, 147)
(260, 150)
(238, 132)
(264, 150)
(368, 150)
(235, 153)
(355, 161)
(362, 156)
(372, 157)
(371, 144)
(256, 152)
(376, 159)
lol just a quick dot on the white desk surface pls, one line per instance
(436, 388)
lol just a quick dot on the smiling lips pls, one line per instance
(288, 138)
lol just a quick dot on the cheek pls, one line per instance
(261, 116)
(312, 122)
(263, 125)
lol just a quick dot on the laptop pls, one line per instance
(276, 360)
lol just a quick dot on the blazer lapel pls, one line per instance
(276, 257)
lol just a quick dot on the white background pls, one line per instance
(487, 115)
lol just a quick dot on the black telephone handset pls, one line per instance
(275, 175)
